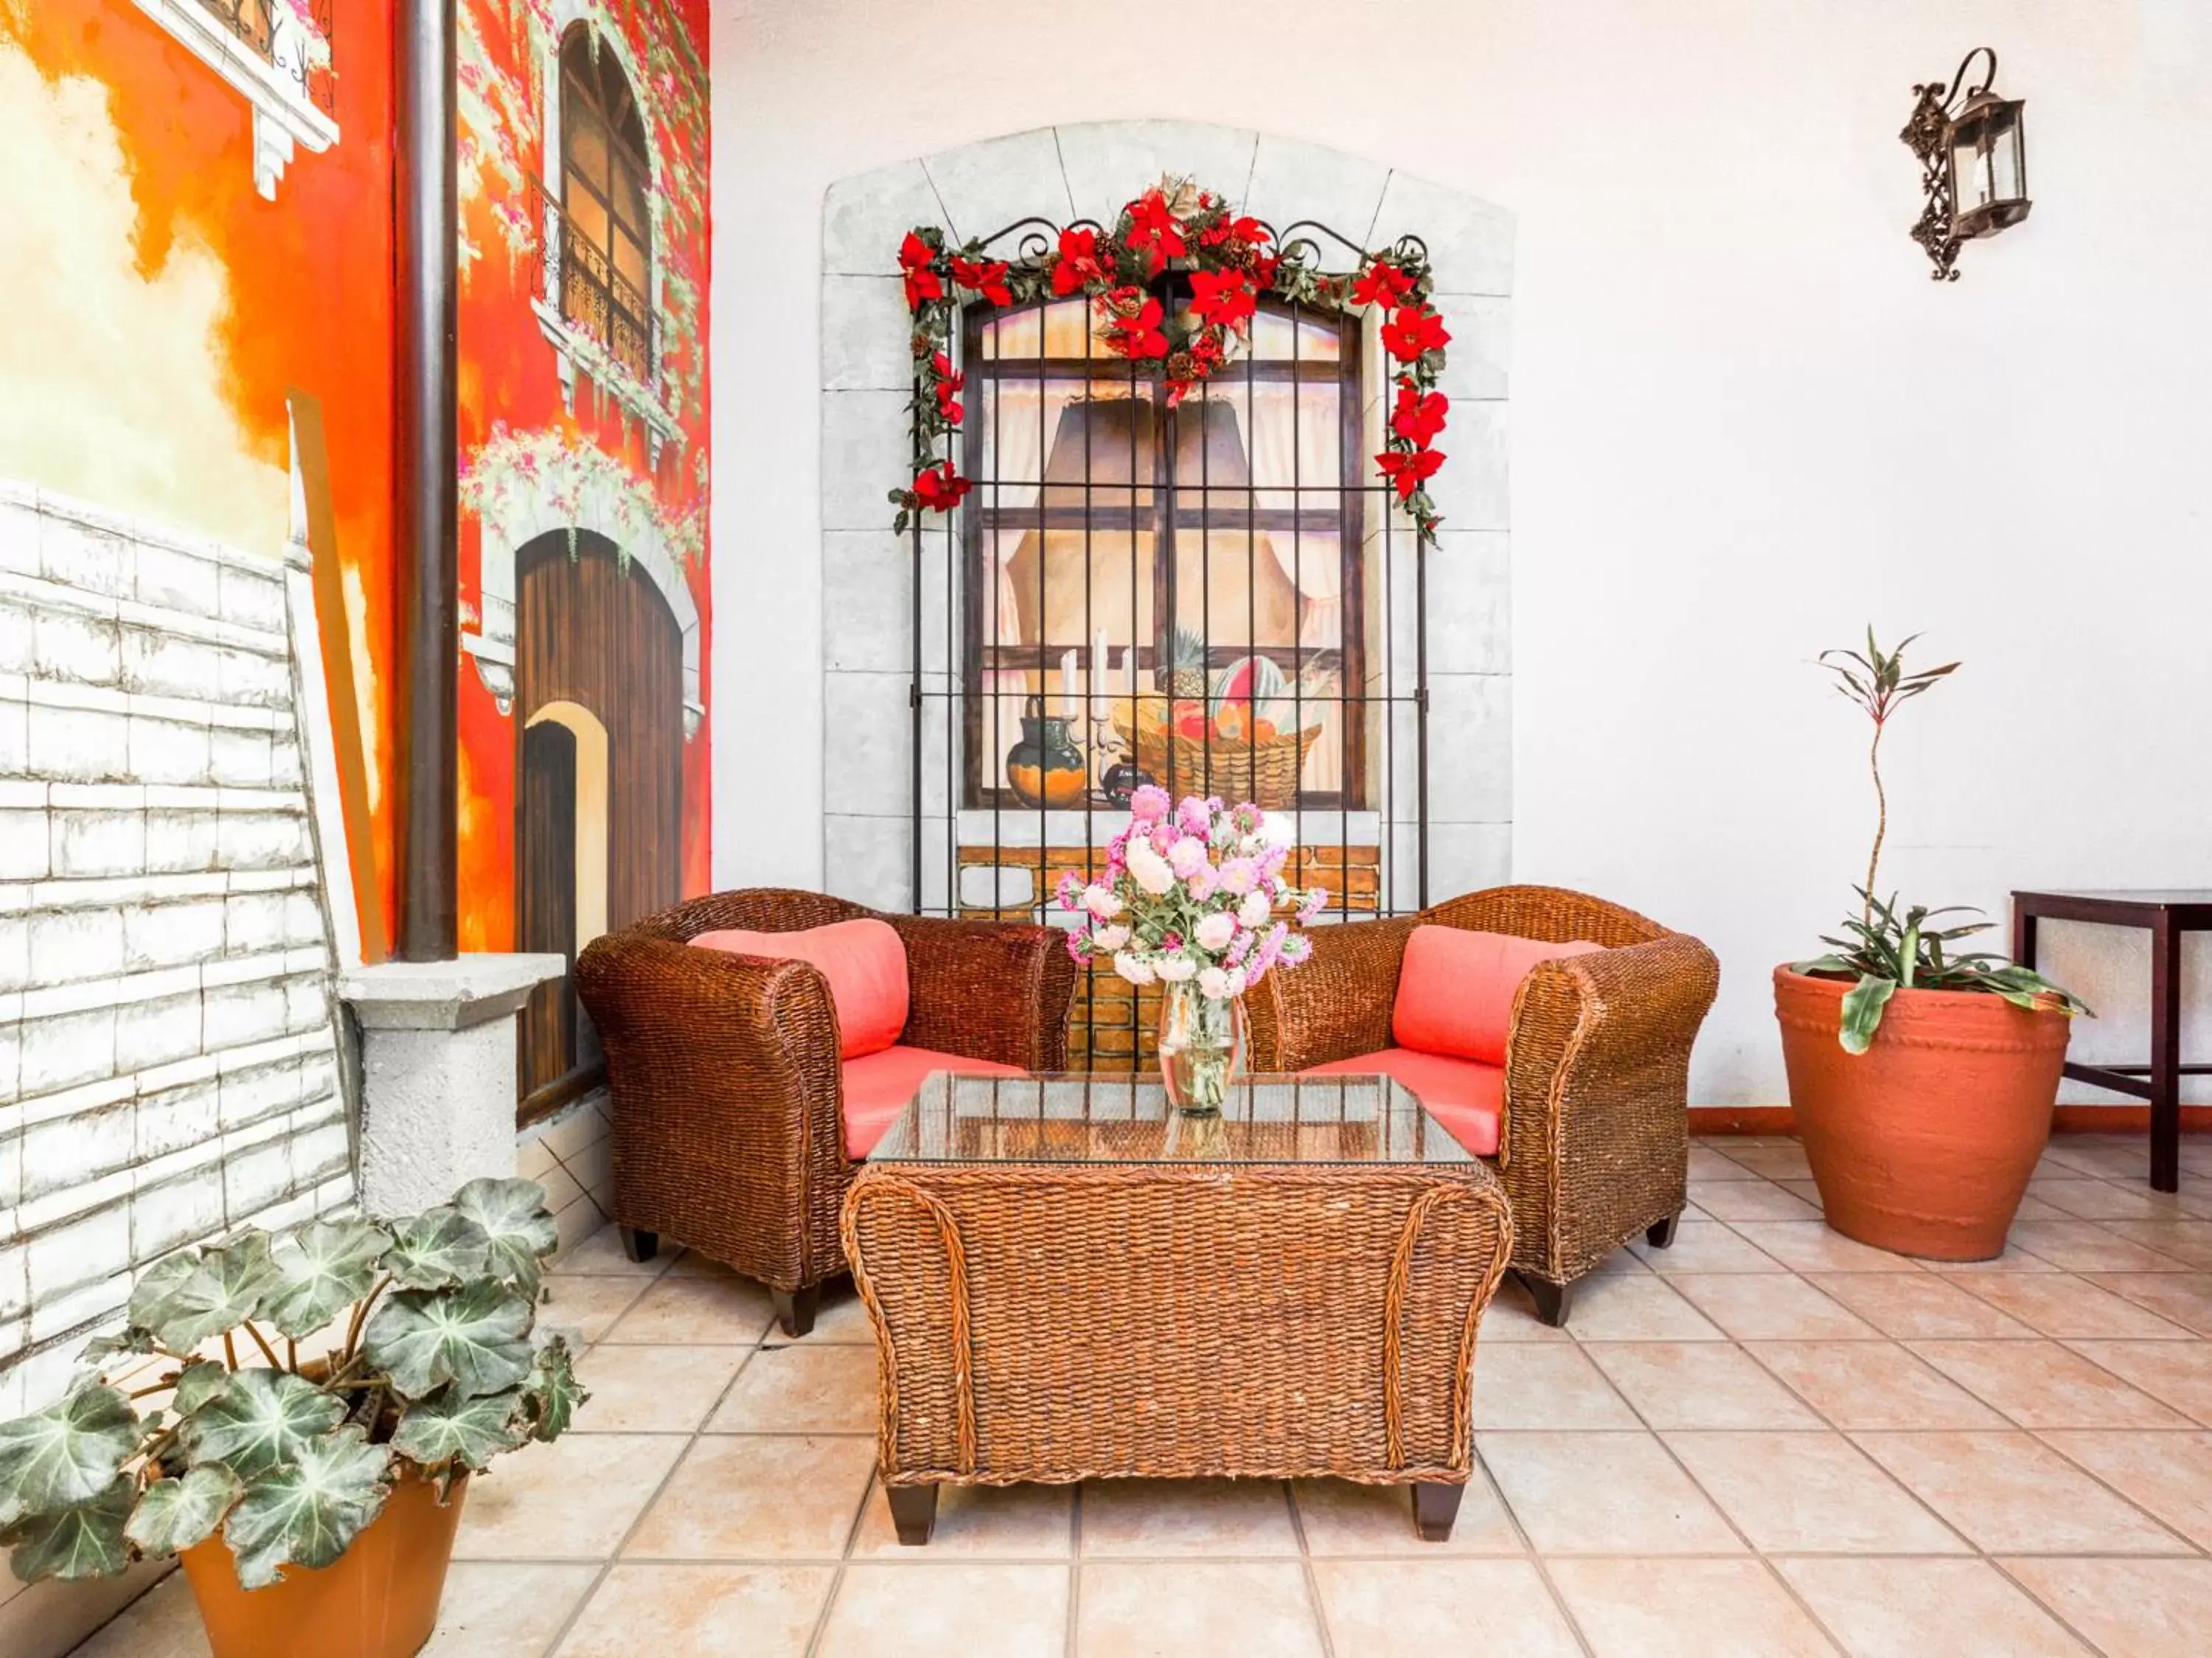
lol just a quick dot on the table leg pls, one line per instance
(1435, 1507)
(2164, 1055)
(914, 1512)
(2023, 935)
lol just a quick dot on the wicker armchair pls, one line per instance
(728, 1131)
(1594, 1147)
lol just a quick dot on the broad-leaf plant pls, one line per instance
(1885, 951)
(299, 1374)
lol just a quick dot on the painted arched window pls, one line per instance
(607, 258)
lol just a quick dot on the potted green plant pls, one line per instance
(320, 1396)
(1921, 1077)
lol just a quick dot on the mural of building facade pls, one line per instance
(584, 420)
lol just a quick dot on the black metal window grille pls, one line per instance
(1119, 560)
(605, 230)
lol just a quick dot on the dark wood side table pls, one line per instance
(2166, 914)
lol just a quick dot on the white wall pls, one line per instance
(1744, 421)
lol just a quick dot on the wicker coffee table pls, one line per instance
(1069, 1284)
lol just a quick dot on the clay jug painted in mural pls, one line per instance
(1046, 768)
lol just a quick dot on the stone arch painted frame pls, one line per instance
(536, 511)
(1086, 171)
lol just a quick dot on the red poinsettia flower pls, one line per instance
(1263, 271)
(1133, 324)
(1412, 330)
(1221, 297)
(916, 257)
(987, 277)
(939, 488)
(1077, 266)
(1155, 232)
(1417, 418)
(1409, 469)
(948, 382)
(1381, 284)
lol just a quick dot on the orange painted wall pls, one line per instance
(511, 397)
(308, 290)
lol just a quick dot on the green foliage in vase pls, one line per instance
(422, 1360)
(1884, 951)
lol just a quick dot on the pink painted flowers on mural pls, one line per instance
(1163, 910)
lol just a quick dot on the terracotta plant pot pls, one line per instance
(378, 1600)
(1923, 1144)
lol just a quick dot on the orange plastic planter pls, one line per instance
(1923, 1144)
(378, 1600)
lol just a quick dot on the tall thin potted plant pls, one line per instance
(1923, 1077)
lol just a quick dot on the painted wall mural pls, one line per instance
(199, 204)
(584, 422)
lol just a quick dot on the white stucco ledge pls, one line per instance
(445, 996)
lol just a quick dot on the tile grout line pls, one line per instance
(1773, 1572)
(1306, 1567)
(1074, 1569)
(614, 1556)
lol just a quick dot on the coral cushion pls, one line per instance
(878, 1086)
(1456, 990)
(1465, 1095)
(864, 961)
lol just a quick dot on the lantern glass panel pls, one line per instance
(1988, 169)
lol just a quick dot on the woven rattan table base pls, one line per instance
(1055, 1323)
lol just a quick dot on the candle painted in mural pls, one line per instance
(583, 442)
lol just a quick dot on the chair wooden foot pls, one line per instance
(638, 1244)
(1660, 1234)
(1553, 1301)
(914, 1512)
(795, 1309)
(1435, 1507)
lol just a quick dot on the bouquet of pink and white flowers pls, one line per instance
(1189, 896)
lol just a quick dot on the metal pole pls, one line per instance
(426, 480)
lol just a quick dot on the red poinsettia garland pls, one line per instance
(1230, 267)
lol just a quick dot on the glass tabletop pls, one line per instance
(955, 1119)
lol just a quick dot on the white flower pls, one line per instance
(1109, 938)
(1216, 930)
(1101, 902)
(1135, 969)
(1253, 911)
(1237, 981)
(1213, 983)
(1149, 870)
(1176, 969)
(1187, 856)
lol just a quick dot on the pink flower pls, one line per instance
(1248, 819)
(1075, 953)
(1149, 805)
(1196, 815)
(1237, 876)
(1201, 883)
(1255, 909)
(1296, 949)
(1213, 984)
(1217, 931)
(1316, 901)
(1187, 856)
(1070, 885)
(1163, 836)
(1108, 939)
(1239, 947)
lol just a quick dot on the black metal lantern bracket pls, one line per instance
(1943, 119)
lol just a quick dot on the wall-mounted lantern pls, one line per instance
(1973, 161)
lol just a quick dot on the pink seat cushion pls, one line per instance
(1455, 990)
(878, 1086)
(1466, 1096)
(864, 961)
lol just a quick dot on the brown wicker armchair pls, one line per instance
(1595, 1146)
(728, 1130)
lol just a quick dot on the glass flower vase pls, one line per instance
(1201, 1042)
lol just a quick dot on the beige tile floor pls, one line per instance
(1767, 1441)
